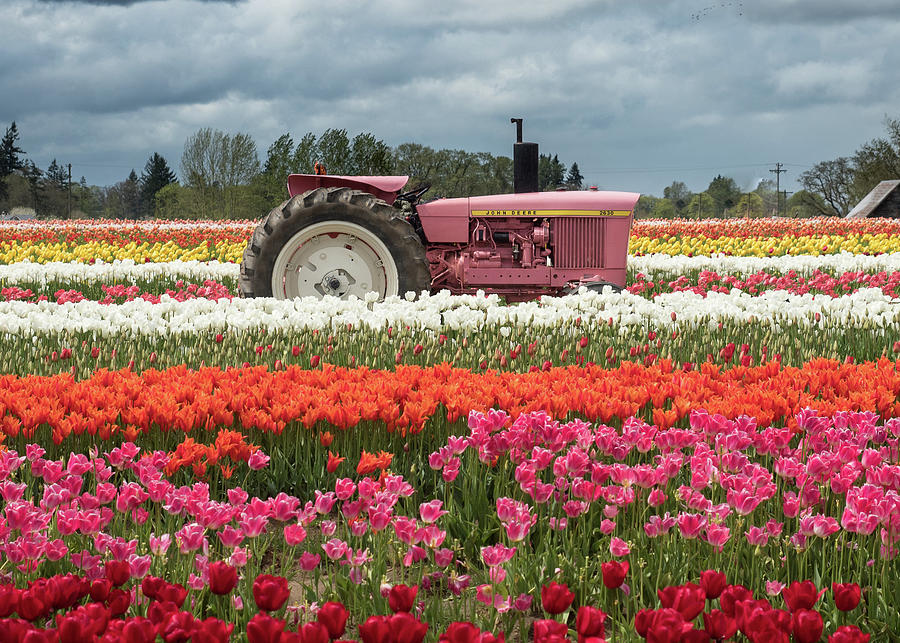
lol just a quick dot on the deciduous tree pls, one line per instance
(220, 167)
(724, 193)
(833, 182)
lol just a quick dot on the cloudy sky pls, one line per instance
(638, 92)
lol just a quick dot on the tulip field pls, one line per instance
(711, 455)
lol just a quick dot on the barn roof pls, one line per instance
(873, 199)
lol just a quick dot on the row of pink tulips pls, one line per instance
(119, 293)
(818, 283)
(502, 507)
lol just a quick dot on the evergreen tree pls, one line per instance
(131, 196)
(574, 179)
(9, 156)
(156, 176)
(34, 176)
(551, 173)
(56, 175)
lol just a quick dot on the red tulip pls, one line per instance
(401, 598)
(642, 621)
(807, 625)
(118, 572)
(314, 632)
(9, 598)
(667, 626)
(32, 605)
(460, 632)
(406, 628)
(731, 595)
(590, 621)
(179, 627)
(801, 595)
(100, 590)
(689, 599)
(713, 583)
(695, 636)
(141, 630)
(73, 628)
(719, 625)
(849, 634)
(556, 597)
(270, 592)
(614, 573)
(263, 628)
(223, 578)
(549, 630)
(333, 616)
(118, 602)
(846, 595)
(375, 629)
(212, 630)
(159, 611)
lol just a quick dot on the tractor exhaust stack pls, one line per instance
(525, 162)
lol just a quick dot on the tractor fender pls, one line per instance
(385, 188)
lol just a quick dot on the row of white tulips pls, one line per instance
(868, 308)
(654, 266)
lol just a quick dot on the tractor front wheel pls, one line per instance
(334, 241)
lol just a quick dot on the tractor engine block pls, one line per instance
(502, 251)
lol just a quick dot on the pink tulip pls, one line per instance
(431, 511)
(618, 547)
(690, 525)
(335, 548)
(309, 561)
(258, 460)
(497, 554)
(294, 534)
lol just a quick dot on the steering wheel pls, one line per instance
(414, 194)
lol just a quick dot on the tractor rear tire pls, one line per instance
(334, 241)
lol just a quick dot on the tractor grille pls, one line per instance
(577, 242)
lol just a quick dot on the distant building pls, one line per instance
(882, 201)
(19, 214)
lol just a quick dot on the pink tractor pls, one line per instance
(352, 235)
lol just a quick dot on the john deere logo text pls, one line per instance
(551, 213)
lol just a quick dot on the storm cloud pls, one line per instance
(639, 94)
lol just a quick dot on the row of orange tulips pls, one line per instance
(127, 404)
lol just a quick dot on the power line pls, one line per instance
(681, 169)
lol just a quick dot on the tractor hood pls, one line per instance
(447, 220)
(549, 204)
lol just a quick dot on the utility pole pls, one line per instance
(785, 193)
(778, 172)
(69, 195)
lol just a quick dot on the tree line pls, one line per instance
(829, 188)
(222, 177)
(841, 183)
